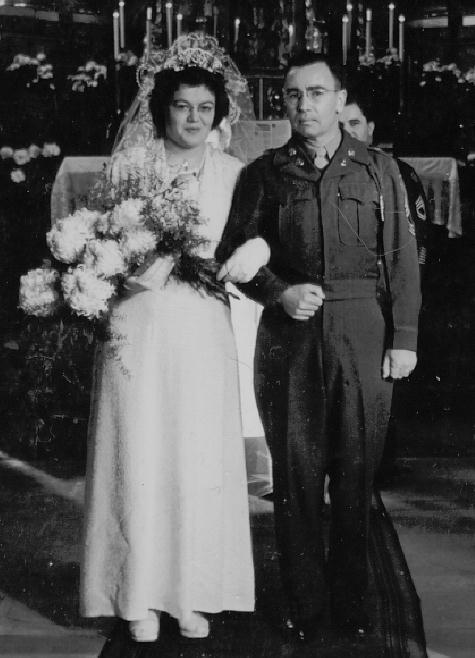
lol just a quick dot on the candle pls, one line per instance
(391, 26)
(236, 31)
(168, 16)
(122, 24)
(148, 31)
(349, 11)
(179, 18)
(369, 18)
(402, 20)
(115, 26)
(215, 21)
(344, 38)
(291, 36)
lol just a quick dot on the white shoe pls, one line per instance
(195, 625)
(146, 630)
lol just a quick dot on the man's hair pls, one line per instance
(306, 58)
(167, 82)
(362, 98)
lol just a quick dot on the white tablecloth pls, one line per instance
(439, 176)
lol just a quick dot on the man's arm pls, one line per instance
(400, 250)
(254, 213)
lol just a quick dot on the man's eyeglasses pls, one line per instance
(314, 94)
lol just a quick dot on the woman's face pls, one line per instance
(190, 116)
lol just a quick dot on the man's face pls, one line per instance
(355, 123)
(313, 100)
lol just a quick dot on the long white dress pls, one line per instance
(167, 524)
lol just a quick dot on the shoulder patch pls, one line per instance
(421, 208)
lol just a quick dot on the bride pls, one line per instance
(167, 526)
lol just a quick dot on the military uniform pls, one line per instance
(318, 382)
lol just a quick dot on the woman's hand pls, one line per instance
(244, 263)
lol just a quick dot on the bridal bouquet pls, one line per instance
(100, 248)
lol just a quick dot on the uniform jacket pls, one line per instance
(280, 196)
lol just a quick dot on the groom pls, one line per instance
(333, 214)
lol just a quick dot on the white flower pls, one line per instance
(50, 149)
(38, 294)
(136, 245)
(41, 57)
(18, 176)
(85, 293)
(126, 215)
(45, 71)
(34, 151)
(6, 152)
(90, 65)
(68, 238)
(105, 258)
(21, 59)
(21, 156)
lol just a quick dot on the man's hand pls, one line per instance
(302, 300)
(243, 265)
(398, 363)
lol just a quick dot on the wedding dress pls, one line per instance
(167, 524)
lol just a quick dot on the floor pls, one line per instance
(431, 502)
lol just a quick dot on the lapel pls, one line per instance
(293, 160)
(348, 158)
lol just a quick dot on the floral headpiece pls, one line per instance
(198, 50)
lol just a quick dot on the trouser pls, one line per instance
(325, 409)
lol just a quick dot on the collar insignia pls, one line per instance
(351, 153)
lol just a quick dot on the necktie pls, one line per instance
(321, 159)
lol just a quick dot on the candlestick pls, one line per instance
(402, 20)
(344, 38)
(208, 8)
(168, 16)
(148, 32)
(369, 18)
(122, 24)
(237, 22)
(391, 26)
(179, 18)
(215, 21)
(115, 27)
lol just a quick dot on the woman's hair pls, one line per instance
(167, 82)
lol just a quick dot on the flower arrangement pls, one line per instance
(89, 75)
(435, 67)
(125, 228)
(40, 68)
(25, 155)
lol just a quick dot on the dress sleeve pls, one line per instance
(253, 214)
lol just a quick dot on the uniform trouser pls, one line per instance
(325, 409)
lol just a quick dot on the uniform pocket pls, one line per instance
(294, 212)
(357, 215)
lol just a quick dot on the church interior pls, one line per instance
(68, 69)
